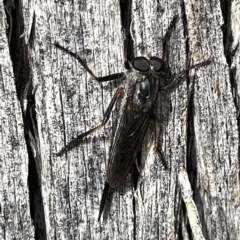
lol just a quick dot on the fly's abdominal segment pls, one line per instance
(142, 86)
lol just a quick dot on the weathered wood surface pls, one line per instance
(197, 197)
(15, 220)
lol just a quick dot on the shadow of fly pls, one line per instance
(143, 77)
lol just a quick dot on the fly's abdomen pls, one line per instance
(134, 125)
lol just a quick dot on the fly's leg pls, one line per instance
(183, 73)
(75, 142)
(165, 40)
(156, 141)
(170, 29)
(167, 35)
(157, 146)
(100, 79)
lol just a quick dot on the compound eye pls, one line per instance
(141, 64)
(158, 64)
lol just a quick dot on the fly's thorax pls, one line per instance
(145, 92)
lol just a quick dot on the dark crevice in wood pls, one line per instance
(184, 219)
(18, 50)
(192, 167)
(226, 29)
(22, 73)
(36, 202)
(191, 164)
(134, 214)
(191, 156)
(229, 51)
(34, 182)
(236, 99)
(126, 10)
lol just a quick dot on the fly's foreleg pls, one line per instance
(75, 142)
(100, 79)
(183, 73)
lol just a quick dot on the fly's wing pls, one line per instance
(127, 142)
(129, 135)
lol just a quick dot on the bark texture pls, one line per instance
(47, 98)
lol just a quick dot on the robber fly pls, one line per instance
(143, 83)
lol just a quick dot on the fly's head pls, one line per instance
(146, 74)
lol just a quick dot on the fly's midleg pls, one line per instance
(76, 141)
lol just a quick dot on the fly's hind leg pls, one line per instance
(75, 142)
(157, 145)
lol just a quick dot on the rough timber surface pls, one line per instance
(197, 197)
(15, 219)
